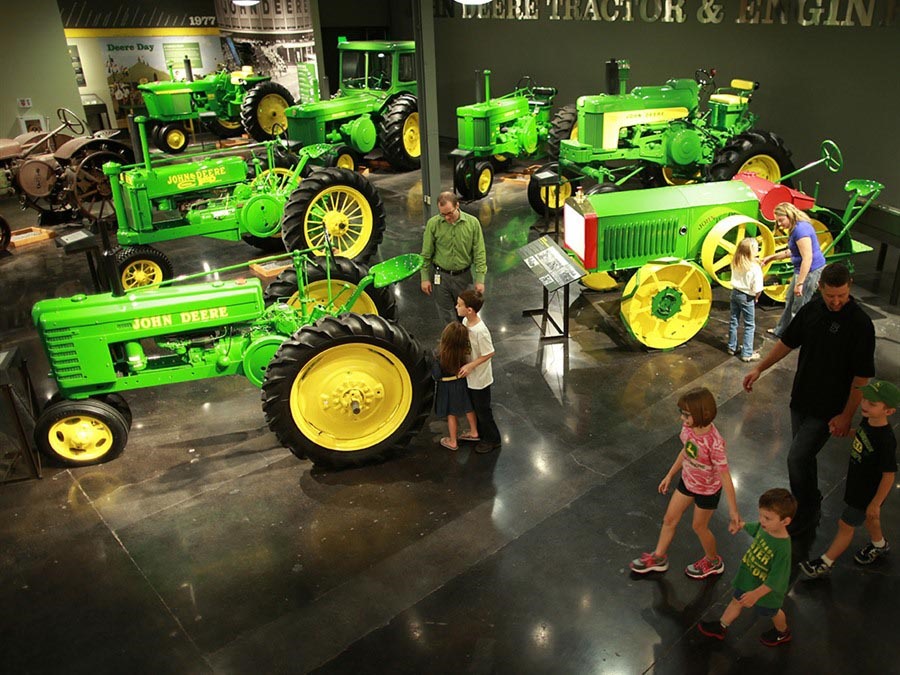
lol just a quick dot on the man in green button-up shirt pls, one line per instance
(453, 249)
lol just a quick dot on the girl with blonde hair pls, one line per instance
(746, 286)
(805, 254)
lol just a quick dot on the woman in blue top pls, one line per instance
(806, 255)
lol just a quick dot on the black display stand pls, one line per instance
(18, 407)
(546, 179)
(555, 270)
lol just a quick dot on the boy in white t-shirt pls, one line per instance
(478, 373)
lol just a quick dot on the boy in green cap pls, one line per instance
(870, 477)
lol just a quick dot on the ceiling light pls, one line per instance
(245, 3)
(473, 2)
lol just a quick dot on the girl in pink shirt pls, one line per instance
(704, 474)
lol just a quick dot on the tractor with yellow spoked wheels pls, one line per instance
(375, 106)
(272, 200)
(341, 382)
(661, 135)
(676, 242)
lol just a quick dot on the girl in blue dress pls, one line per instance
(451, 398)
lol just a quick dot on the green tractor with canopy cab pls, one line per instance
(375, 106)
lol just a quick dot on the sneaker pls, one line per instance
(731, 352)
(713, 629)
(649, 563)
(870, 553)
(773, 637)
(753, 357)
(704, 568)
(815, 569)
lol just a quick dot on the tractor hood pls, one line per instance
(338, 108)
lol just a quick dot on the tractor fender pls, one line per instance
(77, 145)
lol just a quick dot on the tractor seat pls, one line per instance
(544, 91)
(729, 99)
(9, 148)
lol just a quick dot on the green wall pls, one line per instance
(35, 64)
(816, 82)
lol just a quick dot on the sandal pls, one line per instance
(468, 437)
(445, 441)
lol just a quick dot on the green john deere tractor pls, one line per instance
(493, 131)
(226, 102)
(660, 135)
(671, 244)
(376, 105)
(341, 383)
(270, 202)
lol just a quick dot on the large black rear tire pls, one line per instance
(340, 202)
(348, 390)
(398, 133)
(562, 125)
(379, 301)
(262, 112)
(757, 151)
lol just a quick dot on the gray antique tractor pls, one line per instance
(341, 384)
(493, 131)
(376, 105)
(660, 135)
(61, 175)
(270, 202)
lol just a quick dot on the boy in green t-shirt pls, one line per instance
(765, 570)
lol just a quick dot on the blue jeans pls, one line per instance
(792, 303)
(809, 437)
(743, 306)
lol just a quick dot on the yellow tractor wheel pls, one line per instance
(722, 240)
(666, 303)
(83, 432)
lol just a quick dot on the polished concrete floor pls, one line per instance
(206, 547)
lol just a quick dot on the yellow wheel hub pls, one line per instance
(671, 179)
(80, 438)
(351, 397)
(318, 293)
(346, 161)
(411, 141)
(176, 139)
(778, 292)
(722, 240)
(555, 196)
(666, 303)
(763, 166)
(344, 214)
(141, 273)
(270, 112)
(484, 180)
(272, 180)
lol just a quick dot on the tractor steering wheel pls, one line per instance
(525, 82)
(71, 121)
(831, 154)
(704, 77)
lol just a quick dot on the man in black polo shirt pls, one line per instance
(453, 249)
(837, 356)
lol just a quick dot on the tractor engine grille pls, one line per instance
(640, 241)
(63, 357)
